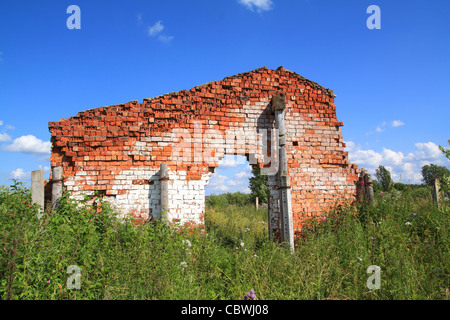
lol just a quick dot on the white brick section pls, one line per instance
(137, 190)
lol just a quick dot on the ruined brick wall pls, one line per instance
(117, 150)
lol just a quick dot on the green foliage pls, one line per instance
(432, 172)
(384, 178)
(258, 186)
(445, 151)
(401, 232)
(446, 178)
(226, 199)
(376, 186)
(400, 186)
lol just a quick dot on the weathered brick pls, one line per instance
(118, 149)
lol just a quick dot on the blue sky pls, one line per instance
(392, 83)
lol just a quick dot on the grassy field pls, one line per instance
(402, 233)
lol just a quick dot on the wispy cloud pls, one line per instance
(156, 30)
(382, 127)
(4, 137)
(258, 5)
(139, 20)
(1, 56)
(6, 127)
(217, 179)
(243, 174)
(165, 38)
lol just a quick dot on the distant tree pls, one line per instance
(376, 186)
(384, 178)
(432, 172)
(258, 186)
(400, 186)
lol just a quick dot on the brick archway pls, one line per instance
(118, 149)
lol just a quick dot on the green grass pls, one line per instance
(404, 234)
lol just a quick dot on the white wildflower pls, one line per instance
(187, 242)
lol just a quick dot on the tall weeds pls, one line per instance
(407, 239)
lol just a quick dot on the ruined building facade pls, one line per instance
(117, 150)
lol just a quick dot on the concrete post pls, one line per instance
(369, 187)
(164, 181)
(57, 185)
(37, 188)
(360, 189)
(287, 231)
(436, 190)
(257, 203)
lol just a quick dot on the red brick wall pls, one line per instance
(118, 149)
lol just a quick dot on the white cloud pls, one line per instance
(19, 174)
(1, 122)
(232, 160)
(241, 178)
(406, 169)
(155, 29)
(397, 123)
(243, 174)
(427, 152)
(4, 137)
(217, 180)
(247, 190)
(222, 188)
(259, 5)
(368, 158)
(392, 157)
(28, 144)
(235, 182)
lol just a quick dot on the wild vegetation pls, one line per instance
(403, 233)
